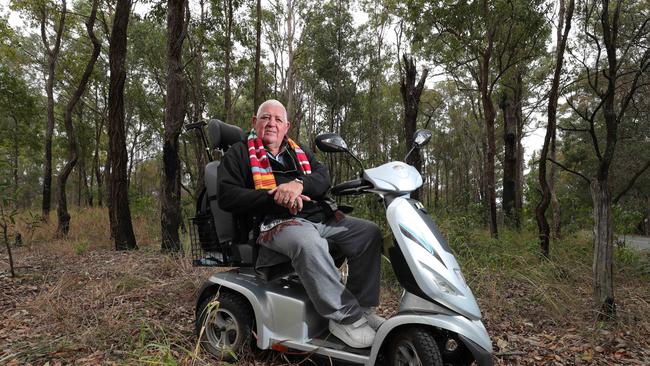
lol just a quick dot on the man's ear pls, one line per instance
(254, 119)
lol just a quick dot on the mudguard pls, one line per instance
(474, 331)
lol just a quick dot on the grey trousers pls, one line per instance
(307, 245)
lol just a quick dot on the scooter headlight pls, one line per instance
(442, 283)
(460, 276)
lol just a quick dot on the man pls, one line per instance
(285, 187)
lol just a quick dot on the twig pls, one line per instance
(508, 354)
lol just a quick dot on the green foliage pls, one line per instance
(625, 220)
(80, 246)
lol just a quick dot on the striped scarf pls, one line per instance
(262, 172)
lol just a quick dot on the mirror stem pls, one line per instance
(409, 153)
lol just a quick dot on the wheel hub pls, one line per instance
(407, 355)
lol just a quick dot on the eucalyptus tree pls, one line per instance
(564, 26)
(73, 146)
(45, 14)
(119, 211)
(174, 117)
(614, 60)
(411, 92)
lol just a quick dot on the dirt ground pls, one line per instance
(92, 306)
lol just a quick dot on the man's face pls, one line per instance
(271, 126)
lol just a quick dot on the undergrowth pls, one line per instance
(76, 298)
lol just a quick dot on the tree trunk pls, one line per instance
(119, 211)
(4, 225)
(170, 217)
(540, 210)
(99, 126)
(16, 151)
(62, 209)
(291, 79)
(489, 117)
(510, 157)
(227, 93)
(257, 91)
(52, 56)
(556, 233)
(603, 249)
(411, 98)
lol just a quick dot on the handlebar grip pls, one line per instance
(351, 187)
(191, 126)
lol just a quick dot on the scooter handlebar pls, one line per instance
(351, 187)
(191, 126)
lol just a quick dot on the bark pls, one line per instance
(99, 126)
(52, 57)
(198, 105)
(603, 249)
(510, 167)
(257, 92)
(227, 93)
(540, 209)
(16, 151)
(411, 93)
(119, 211)
(291, 80)
(489, 115)
(73, 154)
(556, 233)
(5, 228)
(170, 217)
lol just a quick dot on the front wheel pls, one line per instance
(224, 325)
(414, 346)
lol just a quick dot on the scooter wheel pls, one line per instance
(414, 346)
(224, 325)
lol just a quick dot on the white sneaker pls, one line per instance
(357, 335)
(374, 320)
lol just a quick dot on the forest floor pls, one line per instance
(77, 301)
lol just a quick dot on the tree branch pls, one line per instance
(630, 184)
(569, 170)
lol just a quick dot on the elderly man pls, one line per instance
(281, 183)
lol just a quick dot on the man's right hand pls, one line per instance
(284, 198)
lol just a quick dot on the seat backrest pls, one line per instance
(221, 136)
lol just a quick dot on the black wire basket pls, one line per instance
(205, 247)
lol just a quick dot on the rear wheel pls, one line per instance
(414, 346)
(224, 325)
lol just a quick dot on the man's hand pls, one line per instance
(289, 195)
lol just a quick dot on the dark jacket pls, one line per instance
(237, 194)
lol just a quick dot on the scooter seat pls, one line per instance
(284, 269)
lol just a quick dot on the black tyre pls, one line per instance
(224, 325)
(414, 346)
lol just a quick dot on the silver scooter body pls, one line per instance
(436, 294)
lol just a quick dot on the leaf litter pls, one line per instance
(120, 308)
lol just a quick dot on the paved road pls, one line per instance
(638, 242)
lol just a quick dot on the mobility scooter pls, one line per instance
(438, 321)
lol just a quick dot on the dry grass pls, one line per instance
(76, 301)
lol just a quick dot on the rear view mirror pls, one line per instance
(422, 137)
(331, 143)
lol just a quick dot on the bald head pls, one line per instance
(271, 124)
(271, 103)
